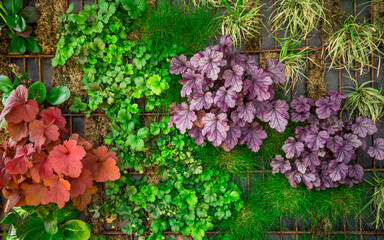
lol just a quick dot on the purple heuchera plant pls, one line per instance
(323, 151)
(226, 92)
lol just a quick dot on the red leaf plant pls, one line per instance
(38, 166)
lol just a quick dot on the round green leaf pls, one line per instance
(58, 95)
(37, 92)
(50, 224)
(76, 230)
(32, 45)
(5, 84)
(18, 44)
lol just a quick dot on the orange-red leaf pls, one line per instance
(18, 108)
(58, 190)
(102, 164)
(20, 163)
(41, 167)
(80, 184)
(18, 131)
(13, 196)
(43, 133)
(81, 141)
(67, 158)
(52, 115)
(34, 193)
(81, 202)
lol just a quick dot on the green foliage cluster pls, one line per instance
(45, 222)
(15, 19)
(190, 198)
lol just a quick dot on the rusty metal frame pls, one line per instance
(360, 232)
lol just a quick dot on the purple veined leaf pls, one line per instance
(309, 179)
(322, 153)
(348, 125)
(179, 64)
(294, 177)
(334, 143)
(335, 96)
(208, 84)
(233, 78)
(197, 134)
(253, 135)
(313, 120)
(271, 91)
(344, 153)
(210, 64)
(225, 98)
(184, 117)
(249, 63)
(300, 134)
(326, 107)
(245, 113)
(236, 120)
(356, 172)
(292, 148)
(363, 127)
(260, 108)
(233, 135)
(316, 139)
(276, 71)
(377, 150)
(277, 115)
(299, 116)
(196, 58)
(347, 181)
(311, 160)
(332, 125)
(300, 165)
(226, 41)
(326, 182)
(215, 128)
(258, 86)
(302, 104)
(353, 140)
(201, 100)
(279, 164)
(337, 171)
(191, 81)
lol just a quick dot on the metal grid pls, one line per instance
(281, 233)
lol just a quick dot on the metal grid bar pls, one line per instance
(280, 232)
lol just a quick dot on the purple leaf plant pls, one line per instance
(322, 153)
(226, 93)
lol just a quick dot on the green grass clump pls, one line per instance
(367, 100)
(297, 18)
(275, 140)
(375, 205)
(252, 221)
(355, 42)
(241, 158)
(187, 28)
(319, 209)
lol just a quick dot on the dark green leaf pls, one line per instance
(30, 14)
(32, 45)
(18, 44)
(58, 95)
(13, 6)
(5, 84)
(50, 224)
(37, 92)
